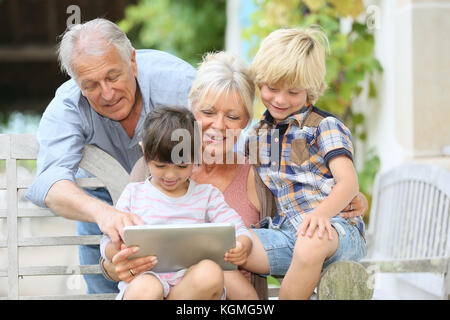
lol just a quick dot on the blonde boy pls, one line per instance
(306, 160)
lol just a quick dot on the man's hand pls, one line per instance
(112, 222)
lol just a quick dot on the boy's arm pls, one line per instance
(343, 192)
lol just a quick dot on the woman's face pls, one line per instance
(221, 118)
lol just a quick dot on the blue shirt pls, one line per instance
(69, 122)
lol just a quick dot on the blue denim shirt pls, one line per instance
(69, 123)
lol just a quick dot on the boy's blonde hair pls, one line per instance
(293, 57)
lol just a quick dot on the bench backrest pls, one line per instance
(108, 172)
(410, 213)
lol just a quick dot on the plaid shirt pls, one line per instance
(293, 160)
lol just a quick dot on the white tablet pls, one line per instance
(183, 245)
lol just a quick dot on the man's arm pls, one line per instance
(66, 199)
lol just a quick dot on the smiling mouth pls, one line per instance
(215, 138)
(169, 183)
(278, 109)
(113, 104)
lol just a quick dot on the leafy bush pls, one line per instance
(187, 28)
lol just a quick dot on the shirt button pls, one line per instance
(274, 163)
(276, 139)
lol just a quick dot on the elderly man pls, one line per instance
(112, 88)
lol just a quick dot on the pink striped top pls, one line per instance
(202, 203)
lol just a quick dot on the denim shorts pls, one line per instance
(279, 244)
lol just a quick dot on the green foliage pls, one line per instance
(272, 281)
(350, 60)
(187, 28)
(366, 177)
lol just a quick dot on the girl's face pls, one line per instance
(172, 179)
(222, 120)
(282, 101)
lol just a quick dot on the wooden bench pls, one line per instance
(342, 280)
(409, 230)
(24, 147)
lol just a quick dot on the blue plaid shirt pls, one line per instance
(292, 159)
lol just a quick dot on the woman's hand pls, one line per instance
(357, 207)
(127, 270)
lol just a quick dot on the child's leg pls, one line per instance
(201, 281)
(257, 261)
(238, 287)
(144, 287)
(308, 258)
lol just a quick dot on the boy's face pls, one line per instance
(281, 101)
(171, 179)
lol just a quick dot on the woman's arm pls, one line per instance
(118, 268)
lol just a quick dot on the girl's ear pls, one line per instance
(142, 146)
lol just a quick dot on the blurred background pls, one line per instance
(387, 69)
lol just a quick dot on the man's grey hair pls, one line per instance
(93, 37)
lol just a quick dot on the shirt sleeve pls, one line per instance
(334, 139)
(61, 140)
(219, 211)
(124, 202)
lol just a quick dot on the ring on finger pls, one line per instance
(132, 272)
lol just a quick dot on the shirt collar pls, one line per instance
(296, 117)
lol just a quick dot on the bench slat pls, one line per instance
(59, 270)
(55, 241)
(55, 270)
(104, 296)
(24, 146)
(437, 265)
(29, 213)
(60, 241)
(5, 142)
(25, 182)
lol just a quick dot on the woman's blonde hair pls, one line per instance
(293, 57)
(223, 72)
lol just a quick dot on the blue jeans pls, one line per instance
(279, 244)
(96, 283)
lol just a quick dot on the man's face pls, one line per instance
(108, 82)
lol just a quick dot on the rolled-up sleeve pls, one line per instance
(61, 141)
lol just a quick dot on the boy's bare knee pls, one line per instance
(309, 251)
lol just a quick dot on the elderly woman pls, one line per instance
(221, 99)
